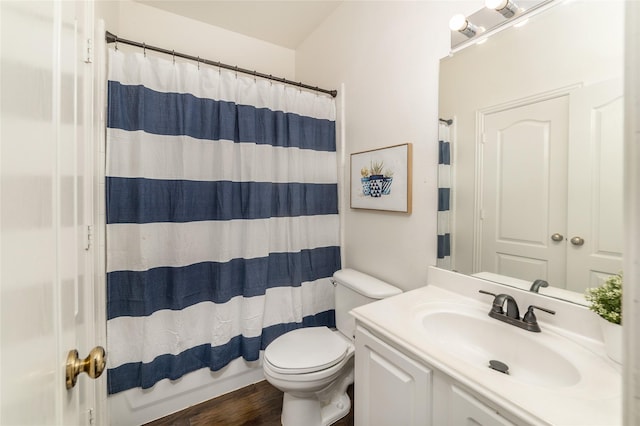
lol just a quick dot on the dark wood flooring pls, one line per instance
(257, 404)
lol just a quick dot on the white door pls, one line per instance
(595, 219)
(524, 191)
(46, 277)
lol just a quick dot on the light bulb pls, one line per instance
(458, 22)
(506, 8)
(495, 4)
(461, 24)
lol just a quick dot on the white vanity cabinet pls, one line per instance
(390, 388)
(422, 358)
(394, 389)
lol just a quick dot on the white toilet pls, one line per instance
(313, 366)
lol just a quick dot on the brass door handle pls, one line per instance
(577, 241)
(93, 365)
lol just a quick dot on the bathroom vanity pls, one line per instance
(422, 358)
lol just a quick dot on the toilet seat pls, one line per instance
(305, 350)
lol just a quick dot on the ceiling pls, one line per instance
(284, 23)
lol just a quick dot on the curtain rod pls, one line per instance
(112, 38)
(449, 121)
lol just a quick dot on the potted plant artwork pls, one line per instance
(376, 181)
(381, 179)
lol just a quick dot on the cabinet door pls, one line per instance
(466, 410)
(390, 388)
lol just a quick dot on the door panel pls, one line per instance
(522, 183)
(517, 266)
(595, 186)
(27, 220)
(524, 190)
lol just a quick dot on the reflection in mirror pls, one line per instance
(536, 150)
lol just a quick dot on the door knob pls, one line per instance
(557, 237)
(93, 365)
(577, 241)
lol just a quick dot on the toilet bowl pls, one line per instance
(314, 366)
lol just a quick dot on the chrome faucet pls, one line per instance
(528, 322)
(535, 287)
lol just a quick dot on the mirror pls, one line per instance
(536, 151)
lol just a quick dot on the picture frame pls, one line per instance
(381, 179)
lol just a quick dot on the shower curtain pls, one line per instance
(444, 197)
(222, 216)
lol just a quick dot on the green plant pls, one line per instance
(376, 168)
(606, 300)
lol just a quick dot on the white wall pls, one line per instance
(138, 22)
(142, 23)
(386, 54)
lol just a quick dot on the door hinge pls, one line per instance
(89, 52)
(90, 417)
(88, 241)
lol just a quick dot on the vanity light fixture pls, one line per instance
(462, 25)
(506, 8)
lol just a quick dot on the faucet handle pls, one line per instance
(549, 311)
(530, 318)
(487, 292)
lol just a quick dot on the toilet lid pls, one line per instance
(306, 350)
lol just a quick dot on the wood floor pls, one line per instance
(257, 404)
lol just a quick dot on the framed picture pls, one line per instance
(381, 179)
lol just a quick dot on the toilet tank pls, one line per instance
(355, 289)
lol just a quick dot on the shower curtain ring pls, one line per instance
(173, 54)
(116, 42)
(271, 80)
(144, 49)
(236, 72)
(198, 62)
(254, 76)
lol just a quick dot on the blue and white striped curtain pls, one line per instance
(444, 197)
(222, 217)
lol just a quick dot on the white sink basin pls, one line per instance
(473, 337)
